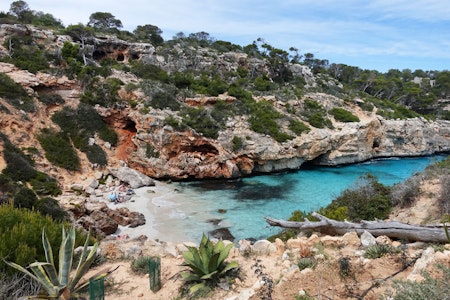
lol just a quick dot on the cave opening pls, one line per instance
(98, 54)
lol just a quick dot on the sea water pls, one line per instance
(241, 205)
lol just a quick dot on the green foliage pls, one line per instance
(50, 207)
(262, 83)
(58, 149)
(104, 22)
(20, 231)
(140, 265)
(25, 198)
(199, 120)
(221, 111)
(319, 121)
(315, 114)
(182, 80)
(19, 167)
(343, 115)
(150, 151)
(149, 71)
(239, 93)
(378, 250)
(306, 262)
(25, 54)
(298, 127)
(81, 124)
(263, 119)
(51, 99)
(175, 123)
(237, 143)
(95, 154)
(367, 200)
(224, 46)
(164, 100)
(149, 33)
(59, 283)
(429, 288)
(206, 264)
(102, 92)
(14, 94)
(74, 61)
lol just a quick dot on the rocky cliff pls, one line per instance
(186, 154)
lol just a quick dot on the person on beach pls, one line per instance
(113, 197)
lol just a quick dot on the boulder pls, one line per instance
(221, 234)
(264, 247)
(132, 177)
(367, 239)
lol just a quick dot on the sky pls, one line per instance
(375, 35)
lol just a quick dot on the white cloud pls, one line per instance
(353, 30)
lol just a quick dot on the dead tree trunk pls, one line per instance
(392, 229)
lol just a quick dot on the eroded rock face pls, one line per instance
(187, 155)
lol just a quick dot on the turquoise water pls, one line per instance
(245, 202)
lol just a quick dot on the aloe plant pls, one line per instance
(59, 285)
(206, 263)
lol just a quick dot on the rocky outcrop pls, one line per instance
(187, 155)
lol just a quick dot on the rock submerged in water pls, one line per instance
(221, 234)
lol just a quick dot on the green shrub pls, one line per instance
(343, 115)
(82, 124)
(366, 200)
(25, 198)
(378, 250)
(315, 114)
(239, 93)
(50, 207)
(14, 94)
(95, 154)
(206, 264)
(199, 120)
(221, 111)
(58, 149)
(298, 127)
(103, 93)
(263, 119)
(149, 71)
(51, 99)
(20, 233)
(306, 262)
(150, 151)
(429, 288)
(262, 83)
(175, 123)
(319, 121)
(26, 54)
(19, 167)
(164, 100)
(140, 265)
(237, 143)
(44, 185)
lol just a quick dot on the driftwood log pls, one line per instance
(392, 229)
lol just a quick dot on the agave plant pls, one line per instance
(59, 285)
(207, 263)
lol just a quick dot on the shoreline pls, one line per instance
(157, 203)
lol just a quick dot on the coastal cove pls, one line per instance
(182, 211)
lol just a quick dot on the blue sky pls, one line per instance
(376, 34)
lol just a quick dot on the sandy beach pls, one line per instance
(167, 218)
